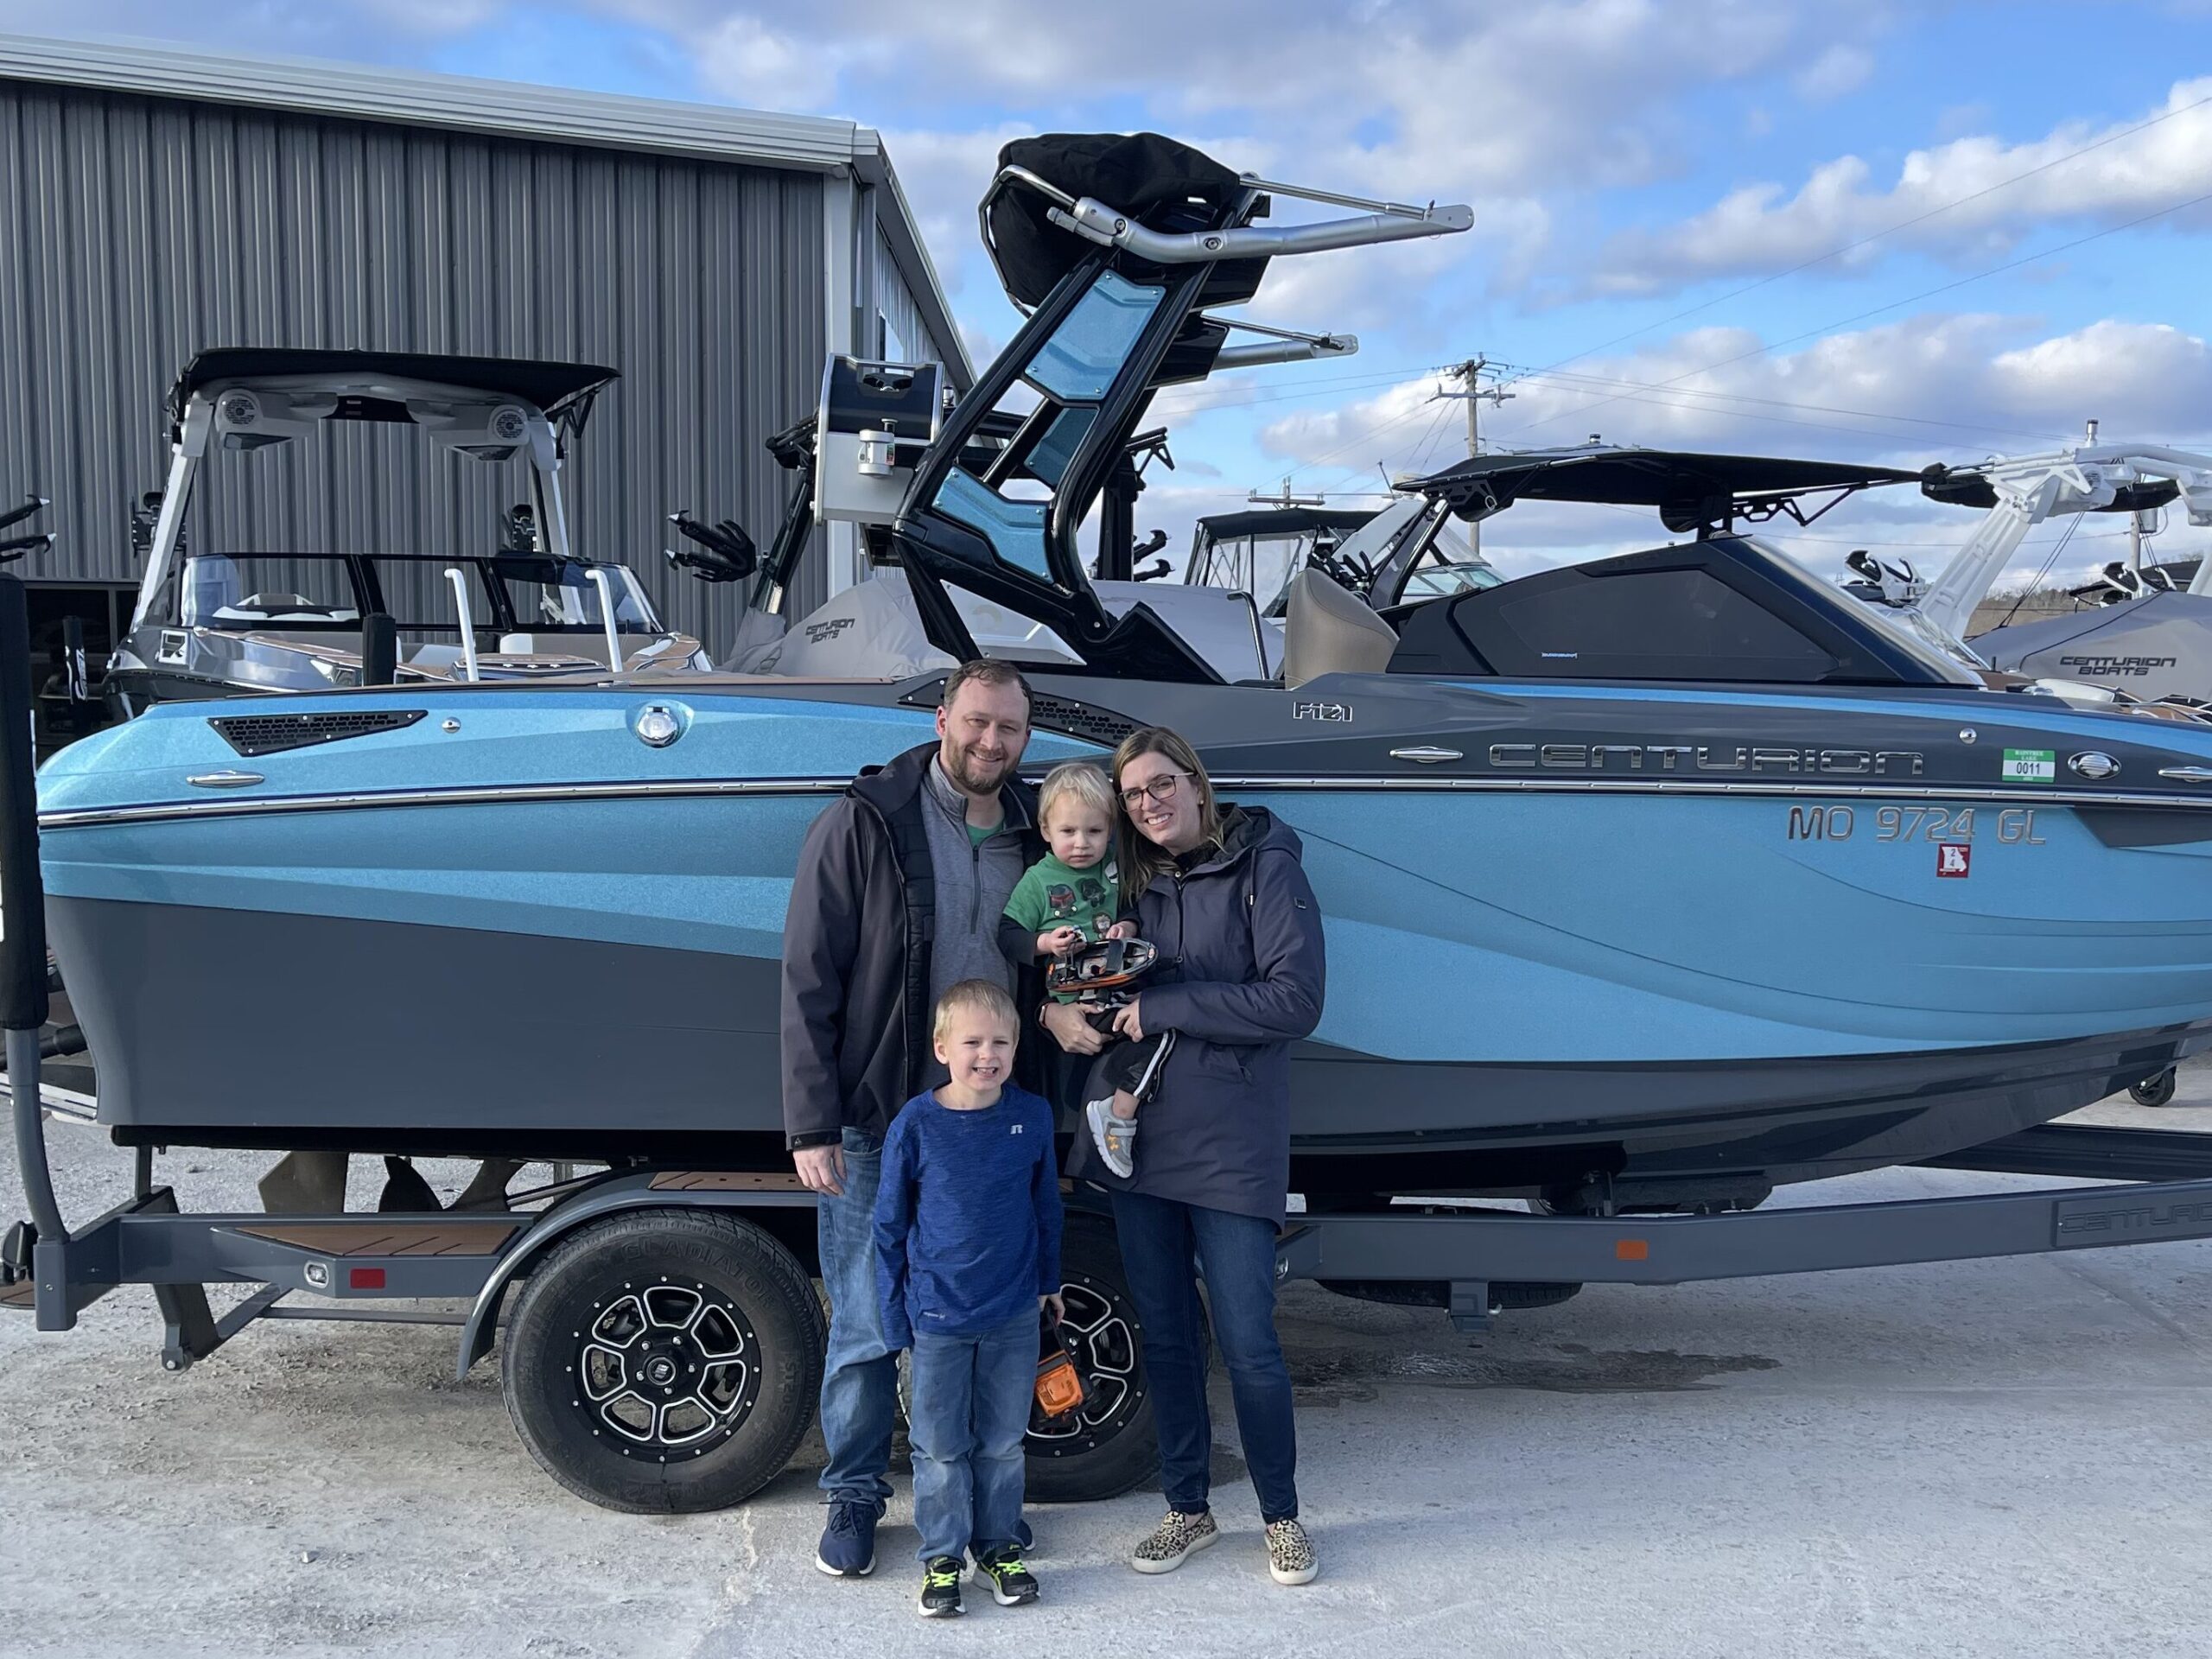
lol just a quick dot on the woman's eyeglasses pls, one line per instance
(1161, 789)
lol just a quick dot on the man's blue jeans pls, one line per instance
(970, 1411)
(1161, 1241)
(859, 1375)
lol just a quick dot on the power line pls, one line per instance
(1891, 230)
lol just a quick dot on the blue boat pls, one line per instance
(1660, 879)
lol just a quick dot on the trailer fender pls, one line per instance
(620, 1195)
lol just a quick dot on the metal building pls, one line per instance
(155, 202)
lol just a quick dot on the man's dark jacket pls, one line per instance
(856, 957)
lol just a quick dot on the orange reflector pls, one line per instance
(366, 1278)
(1632, 1249)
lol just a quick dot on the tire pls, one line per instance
(674, 1293)
(1113, 1446)
(2154, 1092)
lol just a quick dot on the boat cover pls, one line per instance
(870, 632)
(1153, 179)
(2158, 646)
(553, 388)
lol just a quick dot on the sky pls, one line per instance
(1875, 231)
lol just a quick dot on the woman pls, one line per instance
(1219, 890)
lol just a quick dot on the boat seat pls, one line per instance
(1328, 629)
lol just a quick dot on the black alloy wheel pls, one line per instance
(1109, 1447)
(664, 1360)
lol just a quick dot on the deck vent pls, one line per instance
(1062, 715)
(1080, 720)
(252, 734)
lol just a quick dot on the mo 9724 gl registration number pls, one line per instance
(2011, 825)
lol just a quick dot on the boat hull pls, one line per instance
(536, 934)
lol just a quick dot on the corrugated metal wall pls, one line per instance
(135, 230)
(896, 300)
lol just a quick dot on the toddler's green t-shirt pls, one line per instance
(1051, 895)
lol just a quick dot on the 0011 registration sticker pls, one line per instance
(2031, 765)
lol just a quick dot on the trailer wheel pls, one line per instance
(664, 1360)
(1111, 1445)
(2154, 1092)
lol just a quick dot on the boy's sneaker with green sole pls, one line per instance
(940, 1595)
(1011, 1581)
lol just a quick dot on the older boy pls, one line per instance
(967, 1252)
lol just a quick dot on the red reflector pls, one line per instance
(1632, 1249)
(365, 1278)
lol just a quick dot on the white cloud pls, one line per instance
(748, 62)
(1951, 388)
(1840, 69)
(1761, 228)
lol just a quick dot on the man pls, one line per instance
(897, 898)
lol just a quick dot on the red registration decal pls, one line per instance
(1953, 858)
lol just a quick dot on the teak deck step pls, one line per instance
(21, 1293)
(389, 1238)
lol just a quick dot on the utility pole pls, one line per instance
(1283, 498)
(1469, 373)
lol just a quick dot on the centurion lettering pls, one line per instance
(1690, 758)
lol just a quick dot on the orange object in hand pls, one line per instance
(1061, 1386)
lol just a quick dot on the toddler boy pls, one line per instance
(1070, 898)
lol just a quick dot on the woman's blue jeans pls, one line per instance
(1164, 1247)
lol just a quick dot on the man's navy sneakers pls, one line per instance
(847, 1548)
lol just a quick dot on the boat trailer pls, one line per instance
(664, 1342)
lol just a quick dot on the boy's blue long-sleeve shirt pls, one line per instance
(968, 1217)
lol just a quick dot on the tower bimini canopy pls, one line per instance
(489, 409)
(556, 390)
(1115, 245)
(1693, 492)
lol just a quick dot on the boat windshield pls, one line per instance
(1261, 563)
(1452, 576)
(237, 595)
(1908, 629)
(550, 595)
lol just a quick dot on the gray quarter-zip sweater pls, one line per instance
(974, 881)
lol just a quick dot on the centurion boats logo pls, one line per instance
(2099, 666)
(1703, 758)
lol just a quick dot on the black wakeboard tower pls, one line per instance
(1118, 248)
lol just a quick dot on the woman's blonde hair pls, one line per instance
(1143, 858)
(1081, 779)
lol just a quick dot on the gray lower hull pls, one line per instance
(248, 1029)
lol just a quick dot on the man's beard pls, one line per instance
(976, 775)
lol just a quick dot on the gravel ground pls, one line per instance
(1984, 1457)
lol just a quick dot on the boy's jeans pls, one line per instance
(970, 1410)
(860, 1375)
